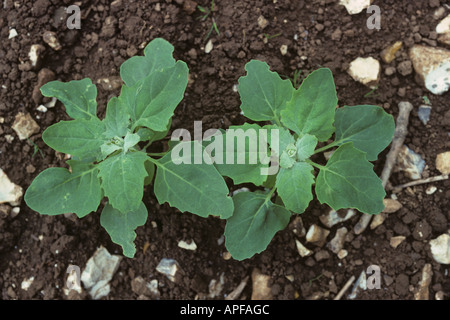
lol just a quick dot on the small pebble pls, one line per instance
(424, 113)
(209, 46)
(430, 190)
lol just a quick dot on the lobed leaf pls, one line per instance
(239, 154)
(348, 181)
(254, 223)
(147, 134)
(57, 191)
(196, 188)
(157, 56)
(312, 107)
(294, 186)
(81, 138)
(117, 119)
(78, 96)
(151, 101)
(263, 93)
(305, 147)
(121, 225)
(370, 128)
(122, 177)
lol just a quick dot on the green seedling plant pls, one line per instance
(308, 123)
(109, 158)
(269, 37)
(206, 13)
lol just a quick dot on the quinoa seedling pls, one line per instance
(107, 157)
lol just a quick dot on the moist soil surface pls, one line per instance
(317, 34)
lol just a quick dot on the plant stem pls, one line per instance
(318, 166)
(160, 154)
(331, 145)
(271, 192)
(147, 145)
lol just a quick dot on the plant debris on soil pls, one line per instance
(294, 38)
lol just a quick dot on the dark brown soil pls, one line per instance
(43, 247)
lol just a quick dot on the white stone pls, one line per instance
(317, 235)
(378, 220)
(427, 275)
(366, 71)
(153, 287)
(430, 190)
(9, 138)
(337, 243)
(284, 49)
(396, 241)
(51, 103)
(12, 33)
(25, 126)
(9, 192)
(25, 285)
(443, 162)
(169, 268)
(440, 249)
(72, 281)
(355, 6)
(342, 254)
(187, 246)
(209, 46)
(391, 205)
(261, 289)
(99, 270)
(443, 26)
(333, 217)
(410, 162)
(42, 109)
(262, 22)
(35, 54)
(215, 287)
(302, 250)
(432, 64)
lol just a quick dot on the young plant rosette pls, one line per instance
(304, 117)
(109, 157)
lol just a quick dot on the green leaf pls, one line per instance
(305, 146)
(147, 134)
(240, 159)
(288, 156)
(151, 101)
(196, 188)
(263, 93)
(81, 138)
(254, 223)
(294, 186)
(57, 191)
(116, 119)
(130, 140)
(150, 168)
(123, 179)
(312, 107)
(120, 226)
(348, 181)
(111, 146)
(370, 128)
(78, 96)
(282, 139)
(157, 56)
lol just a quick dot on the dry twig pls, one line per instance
(401, 130)
(418, 182)
(344, 288)
(237, 292)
